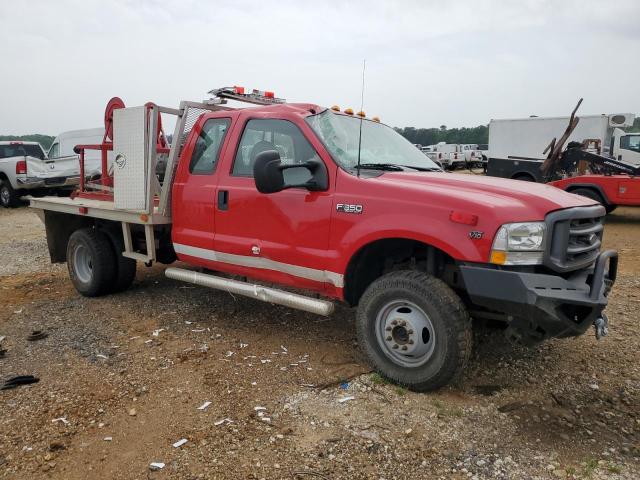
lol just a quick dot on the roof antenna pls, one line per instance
(364, 65)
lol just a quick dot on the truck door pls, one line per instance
(281, 237)
(194, 189)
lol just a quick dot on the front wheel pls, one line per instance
(414, 330)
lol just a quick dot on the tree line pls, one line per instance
(423, 136)
(431, 136)
(44, 140)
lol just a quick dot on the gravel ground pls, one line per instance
(122, 377)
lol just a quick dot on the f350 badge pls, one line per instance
(349, 208)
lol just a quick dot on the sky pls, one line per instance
(428, 63)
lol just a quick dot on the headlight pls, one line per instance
(519, 244)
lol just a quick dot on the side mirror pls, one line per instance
(268, 174)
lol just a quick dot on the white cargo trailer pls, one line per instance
(528, 137)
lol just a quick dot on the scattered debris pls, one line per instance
(61, 419)
(204, 405)
(100, 355)
(37, 335)
(157, 332)
(259, 409)
(108, 439)
(17, 311)
(180, 442)
(284, 348)
(132, 412)
(345, 399)
(19, 380)
(344, 385)
(156, 466)
(224, 420)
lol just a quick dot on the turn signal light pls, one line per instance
(239, 90)
(348, 111)
(464, 218)
(376, 119)
(498, 257)
(335, 108)
(361, 114)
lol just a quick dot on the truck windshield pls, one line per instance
(21, 150)
(630, 142)
(381, 145)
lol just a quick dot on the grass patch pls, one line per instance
(613, 468)
(378, 379)
(401, 391)
(590, 466)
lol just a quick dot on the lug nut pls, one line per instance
(410, 342)
(410, 331)
(395, 345)
(404, 347)
(403, 323)
(388, 329)
(388, 339)
(394, 322)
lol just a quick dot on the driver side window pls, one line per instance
(279, 135)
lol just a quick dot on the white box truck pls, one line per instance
(529, 137)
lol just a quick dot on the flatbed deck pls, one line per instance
(98, 209)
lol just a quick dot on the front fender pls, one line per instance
(452, 238)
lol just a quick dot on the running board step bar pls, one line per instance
(258, 292)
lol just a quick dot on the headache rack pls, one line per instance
(130, 188)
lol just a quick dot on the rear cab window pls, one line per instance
(21, 150)
(207, 148)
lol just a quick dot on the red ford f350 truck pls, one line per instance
(318, 205)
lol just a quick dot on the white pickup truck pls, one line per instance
(449, 155)
(25, 169)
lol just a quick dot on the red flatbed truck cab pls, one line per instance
(315, 199)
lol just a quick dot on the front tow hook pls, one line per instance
(601, 326)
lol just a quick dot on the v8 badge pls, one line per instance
(476, 235)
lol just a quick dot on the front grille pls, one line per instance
(575, 237)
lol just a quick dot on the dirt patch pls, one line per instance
(122, 377)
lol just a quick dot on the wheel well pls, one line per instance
(591, 188)
(523, 176)
(383, 256)
(3, 176)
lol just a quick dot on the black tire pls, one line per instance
(8, 196)
(91, 262)
(125, 267)
(451, 337)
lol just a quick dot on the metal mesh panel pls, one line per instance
(192, 116)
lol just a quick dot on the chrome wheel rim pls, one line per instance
(82, 263)
(405, 333)
(5, 195)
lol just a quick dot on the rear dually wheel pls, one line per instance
(91, 262)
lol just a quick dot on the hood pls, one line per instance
(524, 200)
